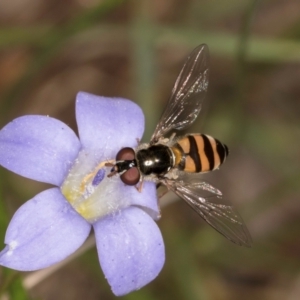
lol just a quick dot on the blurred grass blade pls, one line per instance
(53, 40)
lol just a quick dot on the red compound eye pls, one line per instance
(131, 177)
(125, 154)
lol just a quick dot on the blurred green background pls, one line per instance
(51, 49)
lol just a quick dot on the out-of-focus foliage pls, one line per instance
(49, 50)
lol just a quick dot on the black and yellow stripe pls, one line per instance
(199, 153)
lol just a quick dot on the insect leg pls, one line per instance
(139, 186)
(92, 174)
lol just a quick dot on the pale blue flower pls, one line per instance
(56, 222)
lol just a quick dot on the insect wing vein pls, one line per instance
(214, 210)
(187, 95)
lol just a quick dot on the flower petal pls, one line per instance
(108, 124)
(93, 199)
(146, 199)
(39, 148)
(130, 248)
(43, 231)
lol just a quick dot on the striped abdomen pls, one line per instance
(199, 153)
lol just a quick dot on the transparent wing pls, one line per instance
(187, 95)
(209, 204)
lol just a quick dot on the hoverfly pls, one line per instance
(176, 162)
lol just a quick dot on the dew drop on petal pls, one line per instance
(9, 249)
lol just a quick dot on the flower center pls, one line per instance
(88, 189)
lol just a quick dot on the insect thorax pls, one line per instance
(157, 159)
